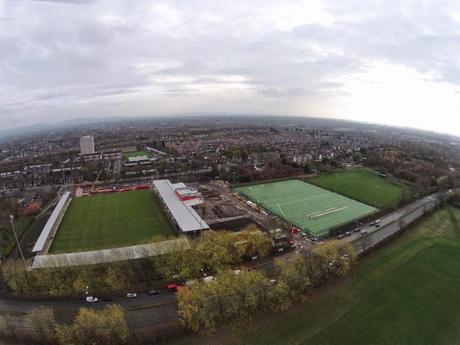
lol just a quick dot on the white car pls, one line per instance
(91, 299)
(131, 295)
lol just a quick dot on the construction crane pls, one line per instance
(93, 187)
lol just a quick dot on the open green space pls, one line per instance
(310, 208)
(128, 155)
(111, 220)
(361, 184)
(405, 293)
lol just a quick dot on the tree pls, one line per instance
(184, 264)
(216, 249)
(90, 326)
(230, 297)
(357, 157)
(335, 257)
(43, 325)
(309, 167)
(252, 244)
(443, 182)
(294, 273)
(114, 278)
(15, 276)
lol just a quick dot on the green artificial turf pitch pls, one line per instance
(404, 293)
(361, 184)
(109, 221)
(310, 208)
(127, 155)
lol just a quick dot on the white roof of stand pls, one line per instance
(184, 215)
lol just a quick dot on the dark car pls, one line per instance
(348, 233)
(357, 230)
(108, 298)
(154, 292)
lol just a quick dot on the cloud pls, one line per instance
(118, 57)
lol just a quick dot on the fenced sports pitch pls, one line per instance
(312, 209)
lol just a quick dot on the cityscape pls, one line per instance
(216, 173)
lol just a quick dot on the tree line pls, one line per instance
(236, 296)
(213, 252)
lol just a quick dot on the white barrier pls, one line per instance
(110, 255)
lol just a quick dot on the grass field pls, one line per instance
(127, 155)
(406, 293)
(312, 209)
(111, 220)
(361, 184)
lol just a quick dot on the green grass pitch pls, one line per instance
(109, 221)
(363, 185)
(312, 209)
(127, 155)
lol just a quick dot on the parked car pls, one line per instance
(340, 236)
(357, 230)
(348, 233)
(377, 225)
(91, 299)
(131, 295)
(108, 298)
(154, 292)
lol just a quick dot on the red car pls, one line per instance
(172, 287)
(294, 231)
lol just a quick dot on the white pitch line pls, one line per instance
(328, 212)
(321, 211)
(297, 201)
(282, 211)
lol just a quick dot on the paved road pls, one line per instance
(141, 311)
(392, 223)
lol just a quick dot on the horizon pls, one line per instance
(11, 132)
(88, 58)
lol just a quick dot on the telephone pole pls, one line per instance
(16, 238)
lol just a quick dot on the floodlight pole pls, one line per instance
(336, 181)
(16, 238)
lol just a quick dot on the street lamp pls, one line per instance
(16, 238)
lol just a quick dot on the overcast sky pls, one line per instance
(393, 62)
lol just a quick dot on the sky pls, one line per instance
(391, 62)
